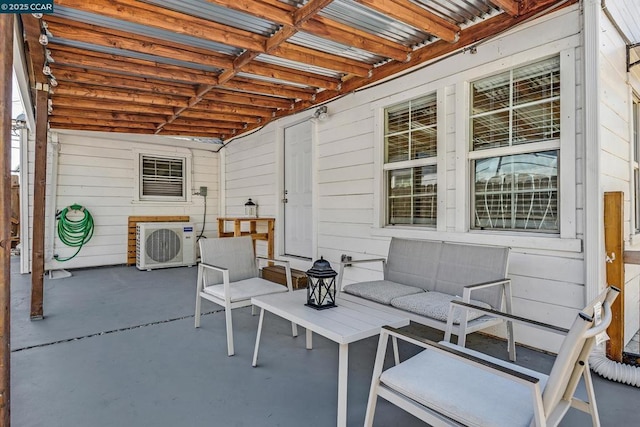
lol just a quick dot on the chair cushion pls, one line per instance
(464, 392)
(245, 289)
(382, 291)
(435, 305)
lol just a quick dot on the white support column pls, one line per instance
(593, 206)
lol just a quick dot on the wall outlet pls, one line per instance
(345, 258)
(203, 191)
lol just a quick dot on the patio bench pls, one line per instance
(422, 277)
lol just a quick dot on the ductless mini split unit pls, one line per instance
(165, 244)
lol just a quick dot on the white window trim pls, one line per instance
(634, 237)
(176, 153)
(566, 241)
(379, 183)
(567, 144)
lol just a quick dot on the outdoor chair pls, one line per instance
(449, 385)
(228, 275)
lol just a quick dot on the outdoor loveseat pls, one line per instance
(422, 277)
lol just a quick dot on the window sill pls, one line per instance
(162, 202)
(538, 242)
(634, 241)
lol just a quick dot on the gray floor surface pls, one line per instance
(117, 347)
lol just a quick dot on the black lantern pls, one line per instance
(251, 209)
(321, 285)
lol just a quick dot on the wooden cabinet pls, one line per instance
(253, 230)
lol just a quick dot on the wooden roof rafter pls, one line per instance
(156, 64)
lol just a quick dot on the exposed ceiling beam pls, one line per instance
(123, 65)
(511, 7)
(105, 115)
(119, 81)
(100, 93)
(72, 30)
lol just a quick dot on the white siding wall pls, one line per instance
(548, 273)
(98, 174)
(616, 93)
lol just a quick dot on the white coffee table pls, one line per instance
(344, 324)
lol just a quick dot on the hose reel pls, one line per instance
(74, 232)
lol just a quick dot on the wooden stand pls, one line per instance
(253, 227)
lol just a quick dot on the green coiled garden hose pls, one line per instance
(74, 232)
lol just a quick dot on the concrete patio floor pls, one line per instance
(117, 347)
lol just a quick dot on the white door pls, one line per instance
(297, 191)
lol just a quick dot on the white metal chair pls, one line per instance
(228, 275)
(449, 385)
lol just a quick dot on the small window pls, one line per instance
(515, 148)
(162, 178)
(410, 141)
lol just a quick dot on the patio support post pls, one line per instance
(6, 62)
(39, 188)
(614, 247)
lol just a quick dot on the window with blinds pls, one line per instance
(515, 148)
(410, 141)
(162, 178)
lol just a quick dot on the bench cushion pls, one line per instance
(382, 291)
(435, 305)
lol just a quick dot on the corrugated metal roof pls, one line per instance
(298, 66)
(271, 80)
(458, 11)
(365, 19)
(209, 11)
(144, 30)
(329, 46)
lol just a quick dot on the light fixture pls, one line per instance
(45, 27)
(321, 285)
(321, 113)
(46, 70)
(48, 56)
(43, 39)
(52, 81)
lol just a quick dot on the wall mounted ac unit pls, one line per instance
(165, 244)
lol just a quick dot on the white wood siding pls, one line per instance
(548, 273)
(99, 175)
(617, 151)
